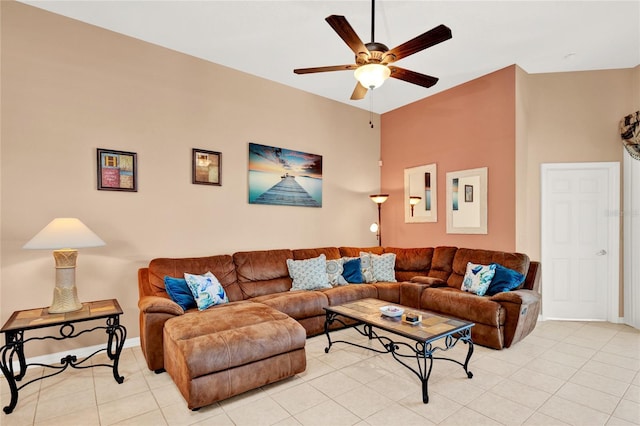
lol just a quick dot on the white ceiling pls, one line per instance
(271, 38)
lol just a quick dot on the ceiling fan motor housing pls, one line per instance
(375, 55)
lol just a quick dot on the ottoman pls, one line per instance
(230, 349)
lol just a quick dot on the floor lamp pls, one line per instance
(378, 199)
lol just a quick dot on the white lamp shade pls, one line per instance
(64, 233)
(372, 76)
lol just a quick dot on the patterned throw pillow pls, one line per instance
(478, 277)
(206, 289)
(335, 269)
(352, 271)
(366, 267)
(384, 267)
(309, 274)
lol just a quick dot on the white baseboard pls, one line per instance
(80, 353)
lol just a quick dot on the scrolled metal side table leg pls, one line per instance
(117, 335)
(7, 372)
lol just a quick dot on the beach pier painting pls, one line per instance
(280, 176)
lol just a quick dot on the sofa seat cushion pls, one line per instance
(388, 291)
(227, 336)
(460, 304)
(298, 304)
(349, 293)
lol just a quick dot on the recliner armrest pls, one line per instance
(521, 297)
(157, 304)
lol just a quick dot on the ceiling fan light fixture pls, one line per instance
(372, 76)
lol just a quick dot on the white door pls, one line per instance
(580, 241)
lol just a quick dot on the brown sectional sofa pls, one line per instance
(428, 278)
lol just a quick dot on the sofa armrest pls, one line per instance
(521, 297)
(154, 312)
(522, 308)
(429, 281)
(160, 305)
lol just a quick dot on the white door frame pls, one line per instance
(631, 239)
(613, 245)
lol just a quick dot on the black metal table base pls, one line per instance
(14, 349)
(422, 353)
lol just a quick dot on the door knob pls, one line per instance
(601, 252)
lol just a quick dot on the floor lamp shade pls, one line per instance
(64, 236)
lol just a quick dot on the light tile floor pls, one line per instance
(574, 373)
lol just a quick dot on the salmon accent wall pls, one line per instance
(470, 126)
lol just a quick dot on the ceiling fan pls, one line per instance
(372, 59)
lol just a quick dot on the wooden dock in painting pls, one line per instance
(287, 192)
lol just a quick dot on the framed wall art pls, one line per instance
(420, 194)
(206, 167)
(284, 177)
(467, 212)
(117, 170)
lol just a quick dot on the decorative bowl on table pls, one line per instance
(391, 311)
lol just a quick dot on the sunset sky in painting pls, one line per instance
(280, 160)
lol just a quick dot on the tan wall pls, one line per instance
(69, 88)
(571, 117)
(469, 126)
(635, 88)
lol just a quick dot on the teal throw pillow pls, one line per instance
(206, 289)
(352, 271)
(179, 292)
(505, 279)
(478, 277)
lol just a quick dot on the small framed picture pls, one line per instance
(206, 167)
(468, 193)
(117, 170)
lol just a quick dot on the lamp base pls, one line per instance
(65, 299)
(65, 295)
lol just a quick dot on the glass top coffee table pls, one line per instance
(431, 328)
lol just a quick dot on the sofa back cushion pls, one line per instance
(516, 261)
(263, 272)
(329, 252)
(442, 262)
(411, 262)
(355, 251)
(221, 266)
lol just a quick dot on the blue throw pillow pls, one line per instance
(352, 271)
(505, 279)
(179, 292)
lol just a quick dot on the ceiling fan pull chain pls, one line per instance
(371, 109)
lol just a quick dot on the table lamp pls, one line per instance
(64, 236)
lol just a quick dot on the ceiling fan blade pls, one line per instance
(413, 77)
(341, 26)
(359, 92)
(430, 38)
(325, 69)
